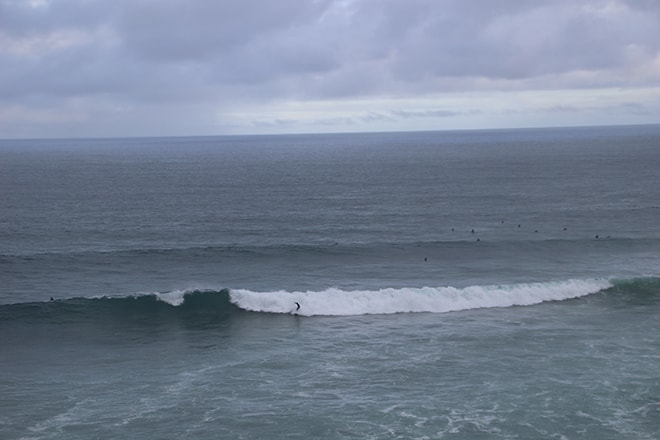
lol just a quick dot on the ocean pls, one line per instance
(487, 284)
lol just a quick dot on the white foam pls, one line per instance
(337, 302)
(174, 297)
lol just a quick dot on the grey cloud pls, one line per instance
(520, 42)
(425, 113)
(636, 108)
(324, 46)
(23, 18)
(184, 30)
(146, 52)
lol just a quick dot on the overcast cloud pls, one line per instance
(187, 67)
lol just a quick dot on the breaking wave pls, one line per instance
(205, 305)
(336, 302)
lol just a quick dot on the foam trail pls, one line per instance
(337, 302)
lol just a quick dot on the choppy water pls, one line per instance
(466, 285)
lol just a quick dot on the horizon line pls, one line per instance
(324, 133)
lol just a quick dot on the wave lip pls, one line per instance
(337, 302)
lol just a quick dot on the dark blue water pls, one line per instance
(485, 284)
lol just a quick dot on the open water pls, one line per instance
(452, 285)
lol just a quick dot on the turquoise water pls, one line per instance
(175, 264)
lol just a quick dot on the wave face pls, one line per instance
(189, 305)
(200, 305)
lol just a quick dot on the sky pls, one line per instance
(108, 68)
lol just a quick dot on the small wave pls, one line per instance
(334, 248)
(185, 300)
(337, 302)
(179, 304)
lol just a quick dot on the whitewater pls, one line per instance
(336, 302)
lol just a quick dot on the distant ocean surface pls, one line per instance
(497, 284)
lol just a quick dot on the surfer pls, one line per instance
(297, 306)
